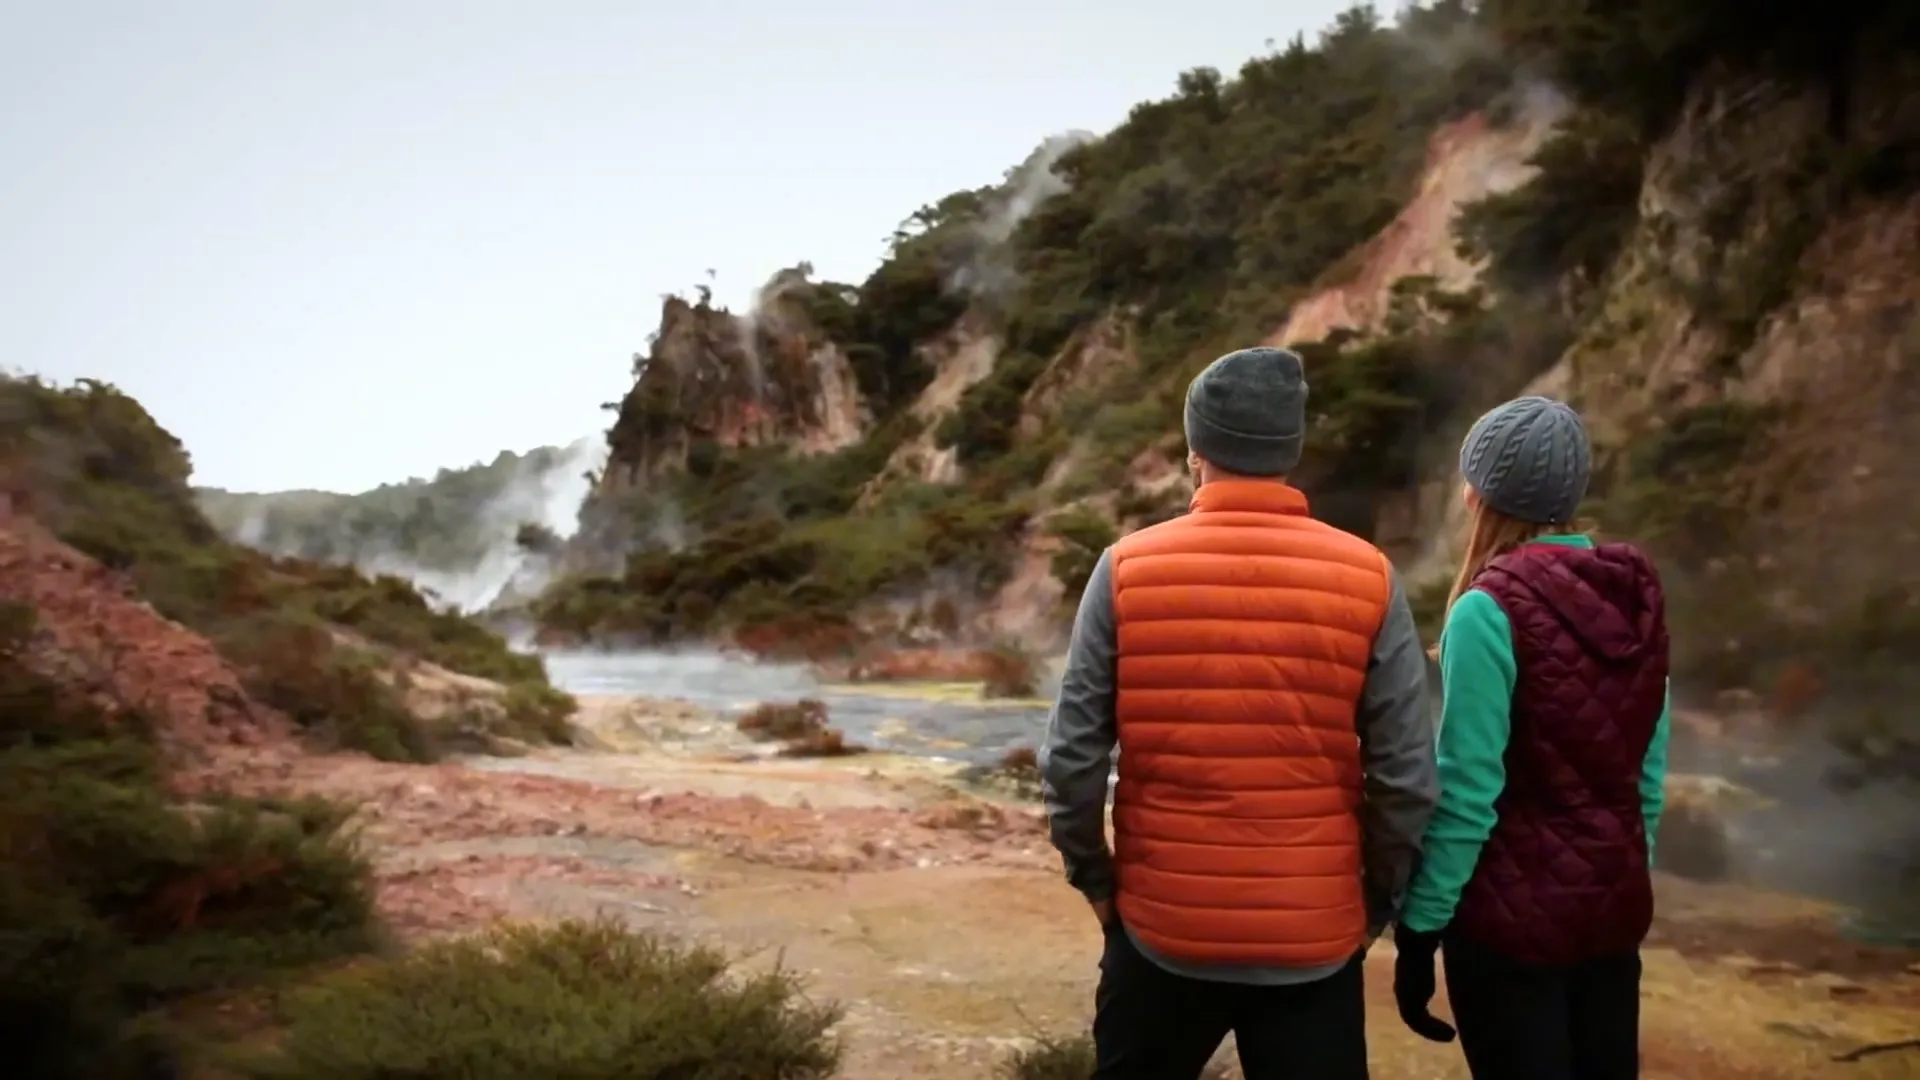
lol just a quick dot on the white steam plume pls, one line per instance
(549, 498)
(989, 272)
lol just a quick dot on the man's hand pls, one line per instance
(1102, 910)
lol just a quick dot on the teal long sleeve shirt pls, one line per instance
(1477, 674)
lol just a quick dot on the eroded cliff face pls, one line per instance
(763, 378)
(960, 358)
(1467, 160)
(1030, 607)
(1759, 320)
(1766, 286)
(1027, 608)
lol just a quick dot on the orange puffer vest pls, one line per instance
(1245, 630)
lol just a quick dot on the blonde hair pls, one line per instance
(1491, 534)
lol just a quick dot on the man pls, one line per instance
(1262, 677)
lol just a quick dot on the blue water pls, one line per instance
(959, 730)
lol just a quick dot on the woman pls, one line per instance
(1553, 736)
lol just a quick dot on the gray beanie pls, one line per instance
(1247, 412)
(1529, 459)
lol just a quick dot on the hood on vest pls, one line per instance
(1608, 596)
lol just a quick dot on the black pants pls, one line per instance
(1520, 1022)
(1150, 1024)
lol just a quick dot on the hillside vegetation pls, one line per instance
(316, 640)
(1675, 265)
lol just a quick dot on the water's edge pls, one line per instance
(934, 720)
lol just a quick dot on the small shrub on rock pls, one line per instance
(335, 693)
(1011, 673)
(1022, 762)
(783, 721)
(827, 743)
(800, 725)
(583, 1000)
(1053, 1059)
(1693, 842)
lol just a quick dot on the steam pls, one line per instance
(547, 497)
(989, 272)
(763, 314)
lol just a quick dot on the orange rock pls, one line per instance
(92, 630)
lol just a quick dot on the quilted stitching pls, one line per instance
(1564, 876)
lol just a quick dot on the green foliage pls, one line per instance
(1377, 407)
(1083, 536)
(774, 536)
(107, 479)
(982, 425)
(1636, 58)
(1198, 223)
(590, 1001)
(767, 569)
(883, 323)
(1569, 220)
(1208, 210)
(1681, 486)
(117, 899)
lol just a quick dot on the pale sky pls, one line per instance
(332, 243)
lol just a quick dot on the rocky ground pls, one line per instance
(938, 915)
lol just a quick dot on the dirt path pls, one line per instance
(941, 923)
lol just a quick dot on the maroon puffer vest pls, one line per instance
(1564, 876)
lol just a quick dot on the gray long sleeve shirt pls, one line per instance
(1395, 727)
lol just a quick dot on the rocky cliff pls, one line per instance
(1751, 365)
(1707, 241)
(713, 380)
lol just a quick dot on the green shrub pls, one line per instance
(587, 1001)
(1053, 1059)
(1011, 672)
(538, 713)
(334, 692)
(117, 899)
(1084, 536)
(1570, 219)
(1684, 487)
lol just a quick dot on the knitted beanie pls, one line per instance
(1529, 459)
(1247, 412)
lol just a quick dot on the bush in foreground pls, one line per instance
(118, 900)
(582, 1000)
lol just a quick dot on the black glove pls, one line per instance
(1413, 983)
